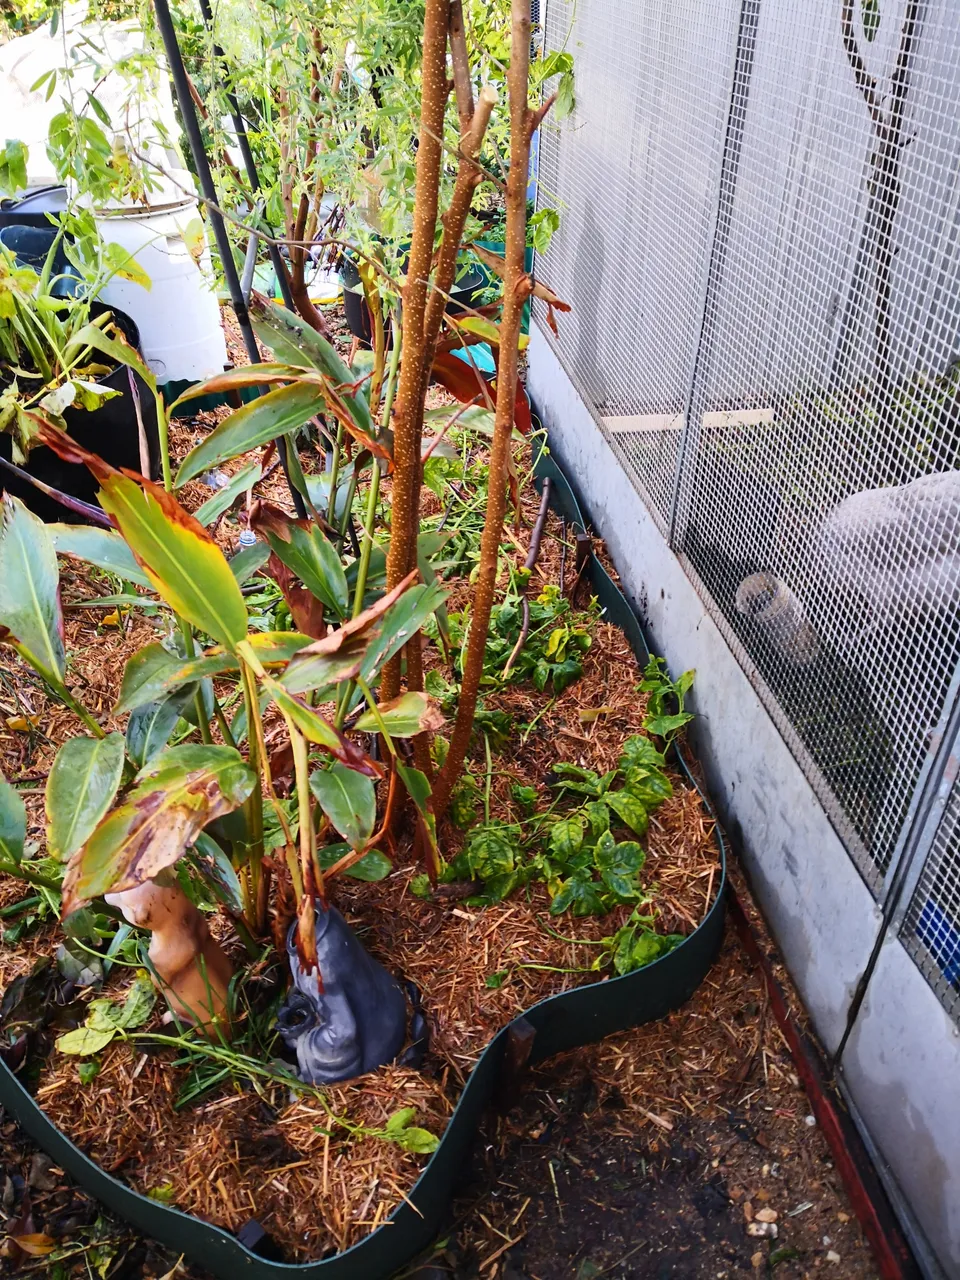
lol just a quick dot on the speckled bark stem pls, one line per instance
(454, 221)
(406, 415)
(516, 290)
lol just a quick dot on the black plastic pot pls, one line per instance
(30, 245)
(28, 227)
(110, 431)
(566, 1021)
(464, 294)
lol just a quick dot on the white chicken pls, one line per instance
(896, 549)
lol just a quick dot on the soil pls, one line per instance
(585, 1184)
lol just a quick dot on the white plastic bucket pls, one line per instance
(179, 316)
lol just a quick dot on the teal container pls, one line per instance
(498, 246)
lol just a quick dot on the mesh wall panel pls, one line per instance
(831, 320)
(635, 175)
(931, 928)
(789, 340)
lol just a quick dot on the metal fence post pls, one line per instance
(726, 194)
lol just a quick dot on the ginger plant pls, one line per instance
(125, 809)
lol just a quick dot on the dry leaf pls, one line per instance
(37, 1245)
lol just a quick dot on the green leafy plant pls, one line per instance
(552, 652)
(578, 853)
(52, 350)
(401, 1130)
(106, 1020)
(637, 944)
(186, 800)
(663, 694)
(165, 797)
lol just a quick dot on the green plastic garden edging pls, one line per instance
(573, 1018)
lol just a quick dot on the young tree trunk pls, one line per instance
(517, 288)
(468, 179)
(296, 272)
(407, 420)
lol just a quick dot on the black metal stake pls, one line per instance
(191, 127)
(240, 129)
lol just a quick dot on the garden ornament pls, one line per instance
(187, 963)
(352, 1021)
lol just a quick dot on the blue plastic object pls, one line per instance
(941, 936)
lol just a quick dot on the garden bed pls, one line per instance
(739, 1139)
(312, 1169)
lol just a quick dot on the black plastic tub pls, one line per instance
(465, 292)
(110, 431)
(565, 1021)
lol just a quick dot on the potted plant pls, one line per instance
(58, 366)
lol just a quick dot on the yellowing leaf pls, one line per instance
(179, 557)
(139, 1001)
(486, 330)
(193, 238)
(118, 349)
(22, 724)
(410, 714)
(36, 1244)
(86, 1040)
(184, 788)
(92, 394)
(123, 264)
(152, 672)
(174, 550)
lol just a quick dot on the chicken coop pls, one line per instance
(758, 391)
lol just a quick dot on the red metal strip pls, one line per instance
(891, 1251)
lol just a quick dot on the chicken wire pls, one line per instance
(635, 178)
(760, 240)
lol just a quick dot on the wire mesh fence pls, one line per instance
(760, 240)
(635, 177)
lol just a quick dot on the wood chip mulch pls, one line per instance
(579, 1179)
